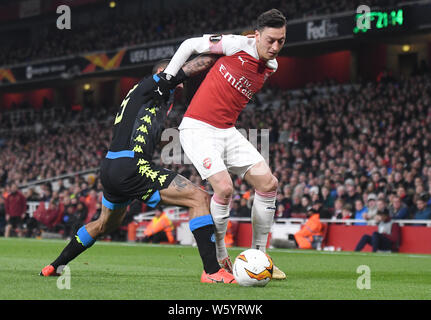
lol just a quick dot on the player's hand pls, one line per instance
(165, 84)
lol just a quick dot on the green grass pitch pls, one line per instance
(161, 272)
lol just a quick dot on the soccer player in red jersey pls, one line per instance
(208, 134)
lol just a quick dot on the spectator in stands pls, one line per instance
(3, 177)
(347, 212)
(15, 208)
(234, 209)
(360, 210)
(50, 213)
(60, 186)
(296, 205)
(397, 209)
(46, 193)
(302, 210)
(351, 194)
(387, 236)
(284, 134)
(338, 208)
(371, 207)
(341, 192)
(81, 214)
(30, 226)
(229, 237)
(32, 195)
(286, 199)
(381, 204)
(74, 217)
(243, 209)
(2, 215)
(281, 212)
(91, 201)
(68, 218)
(423, 212)
(327, 203)
(160, 229)
(310, 234)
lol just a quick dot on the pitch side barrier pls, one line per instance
(340, 234)
(176, 214)
(147, 216)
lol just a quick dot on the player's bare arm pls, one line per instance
(199, 64)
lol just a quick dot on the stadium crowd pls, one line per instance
(162, 23)
(354, 149)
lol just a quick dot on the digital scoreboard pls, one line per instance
(380, 20)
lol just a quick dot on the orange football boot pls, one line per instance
(49, 271)
(221, 276)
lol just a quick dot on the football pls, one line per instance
(253, 267)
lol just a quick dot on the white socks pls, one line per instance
(220, 213)
(262, 217)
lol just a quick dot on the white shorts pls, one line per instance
(212, 149)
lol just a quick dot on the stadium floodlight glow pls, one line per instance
(406, 48)
(379, 20)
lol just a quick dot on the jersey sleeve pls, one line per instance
(204, 44)
(232, 44)
(216, 44)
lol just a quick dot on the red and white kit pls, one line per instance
(207, 133)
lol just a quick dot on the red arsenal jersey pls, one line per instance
(231, 82)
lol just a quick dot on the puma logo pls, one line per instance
(158, 90)
(242, 61)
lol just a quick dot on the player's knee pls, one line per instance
(269, 185)
(224, 192)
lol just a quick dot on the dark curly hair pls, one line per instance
(272, 19)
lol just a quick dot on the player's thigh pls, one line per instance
(260, 177)
(182, 192)
(204, 148)
(241, 155)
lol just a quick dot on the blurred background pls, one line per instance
(348, 112)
